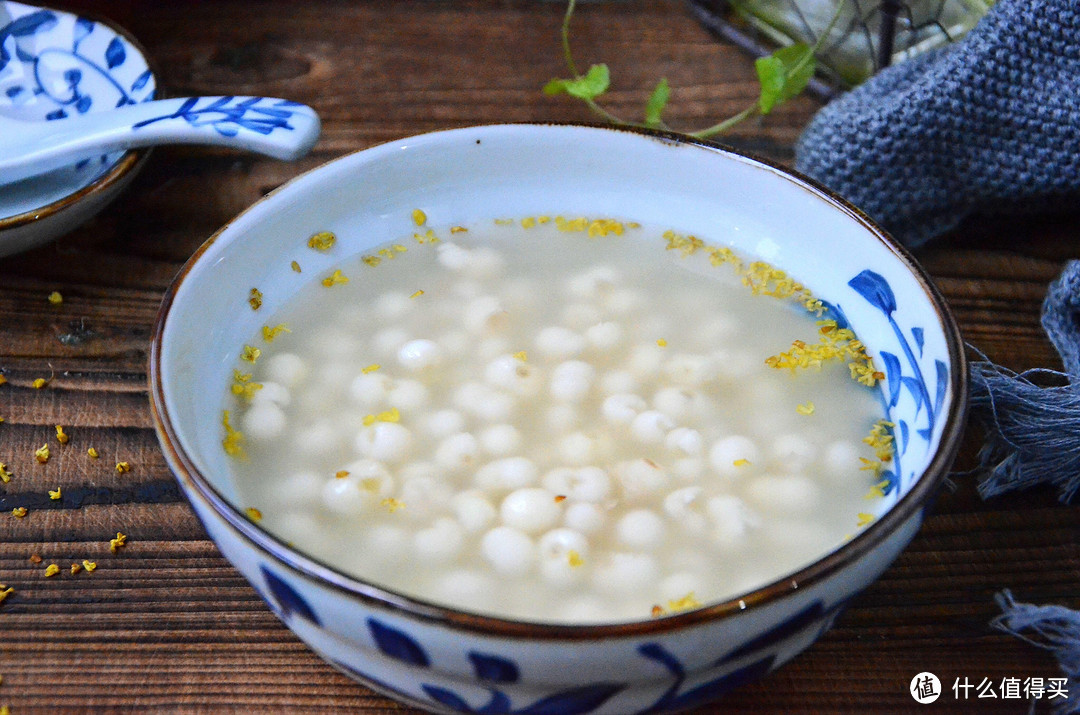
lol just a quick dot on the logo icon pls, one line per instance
(925, 688)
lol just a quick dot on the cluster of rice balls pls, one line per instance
(539, 425)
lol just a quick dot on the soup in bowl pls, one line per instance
(556, 418)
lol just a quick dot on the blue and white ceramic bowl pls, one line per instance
(456, 660)
(53, 65)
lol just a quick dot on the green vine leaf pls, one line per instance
(592, 85)
(657, 101)
(783, 75)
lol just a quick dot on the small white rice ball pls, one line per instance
(452, 256)
(623, 302)
(520, 294)
(384, 441)
(689, 370)
(392, 306)
(264, 421)
(685, 441)
(473, 510)
(687, 469)
(443, 423)
(500, 440)
(346, 497)
(651, 426)
(735, 366)
(530, 509)
(563, 554)
(440, 543)
(783, 494)
(300, 525)
(370, 390)
(594, 283)
(604, 336)
(385, 544)
(457, 451)
(333, 343)
(584, 484)
(509, 551)
(640, 479)
(424, 496)
(389, 340)
(485, 263)
(296, 489)
(408, 395)
(686, 507)
(287, 368)
(641, 529)
(563, 418)
(731, 519)
(576, 448)
(839, 461)
(467, 587)
(586, 517)
(579, 316)
(506, 474)
(492, 347)
(571, 381)
(675, 402)
(626, 573)
(484, 402)
(466, 288)
(370, 476)
(513, 375)
(584, 609)
(792, 452)
(484, 314)
(726, 451)
(456, 343)
(420, 354)
(319, 439)
(272, 392)
(559, 343)
(419, 470)
(645, 361)
(618, 381)
(332, 375)
(679, 585)
(622, 408)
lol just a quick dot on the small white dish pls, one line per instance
(55, 64)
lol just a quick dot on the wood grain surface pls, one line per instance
(167, 624)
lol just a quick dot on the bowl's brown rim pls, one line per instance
(865, 541)
(128, 160)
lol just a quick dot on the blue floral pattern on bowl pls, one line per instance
(494, 673)
(53, 65)
(903, 378)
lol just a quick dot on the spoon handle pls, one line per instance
(276, 127)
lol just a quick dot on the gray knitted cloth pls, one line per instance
(988, 125)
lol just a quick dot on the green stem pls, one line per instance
(727, 124)
(568, 56)
(755, 108)
(715, 129)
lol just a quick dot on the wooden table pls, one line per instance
(167, 623)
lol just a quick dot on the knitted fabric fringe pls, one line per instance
(1033, 432)
(1053, 628)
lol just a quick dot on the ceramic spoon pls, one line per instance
(276, 127)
